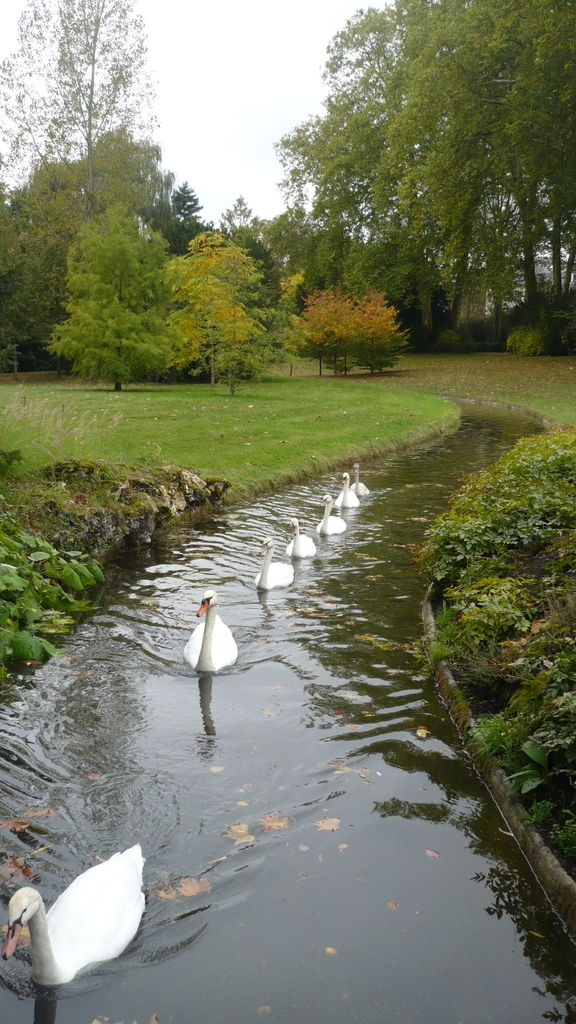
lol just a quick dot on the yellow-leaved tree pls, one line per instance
(216, 286)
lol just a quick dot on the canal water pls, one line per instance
(348, 865)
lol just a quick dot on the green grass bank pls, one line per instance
(269, 433)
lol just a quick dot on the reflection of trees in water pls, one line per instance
(513, 898)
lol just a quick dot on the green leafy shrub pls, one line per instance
(527, 341)
(565, 836)
(490, 610)
(38, 592)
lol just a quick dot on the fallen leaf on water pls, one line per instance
(217, 768)
(422, 731)
(95, 776)
(331, 951)
(321, 858)
(351, 725)
(268, 712)
(15, 870)
(193, 886)
(167, 894)
(272, 822)
(40, 849)
(303, 848)
(153, 1019)
(328, 824)
(44, 812)
(340, 767)
(537, 934)
(239, 833)
(15, 824)
(264, 1009)
(363, 772)
(247, 785)
(343, 846)
(24, 937)
(241, 803)
(393, 906)
(432, 853)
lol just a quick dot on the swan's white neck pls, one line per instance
(205, 663)
(327, 511)
(357, 474)
(264, 574)
(297, 548)
(45, 969)
(346, 487)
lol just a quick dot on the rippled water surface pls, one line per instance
(417, 907)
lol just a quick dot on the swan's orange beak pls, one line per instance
(203, 608)
(11, 940)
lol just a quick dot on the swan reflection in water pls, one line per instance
(45, 1007)
(205, 691)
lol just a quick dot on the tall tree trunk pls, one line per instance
(497, 322)
(556, 260)
(569, 269)
(529, 269)
(117, 386)
(319, 366)
(425, 299)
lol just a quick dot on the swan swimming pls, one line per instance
(330, 524)
(301, 546)
(357, 486)
(346, 498)
(211, 646)
(274, 574)
(94, 919)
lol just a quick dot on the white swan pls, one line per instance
(93, 920)
(211, 646)
(346, 498)
(301, 546)
(357, 487)
(274, 574)
(330, 524)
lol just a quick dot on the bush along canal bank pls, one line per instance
(501, 612)
(57, 523)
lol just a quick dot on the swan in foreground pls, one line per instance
(357, 487)
(274, 574)
(301, 546)
(211, 646)
(346, 498)
(93, 920)
(330, 524)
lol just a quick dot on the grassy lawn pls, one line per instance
(282, 429)
(544, 384)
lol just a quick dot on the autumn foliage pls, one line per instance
(352, 332)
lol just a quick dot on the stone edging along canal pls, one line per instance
(556, 882)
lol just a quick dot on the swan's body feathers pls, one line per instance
(273, 574)
(330, 525)
(211, 646)
(304, 548)
(112, 903)
(347, 497)
(93, 920)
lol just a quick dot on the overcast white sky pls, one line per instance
(233, 76)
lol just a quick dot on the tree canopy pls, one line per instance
(216, 286)
(445, 157)
(118, 303)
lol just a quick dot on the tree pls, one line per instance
(118, 303)
(77, 77)
(215, 285)
(184, 222)
(352, 331)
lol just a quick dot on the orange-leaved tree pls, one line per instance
(362, 332)
(216, 287)
(378, 340)
(328, 320)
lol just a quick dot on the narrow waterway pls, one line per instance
(353, 867)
